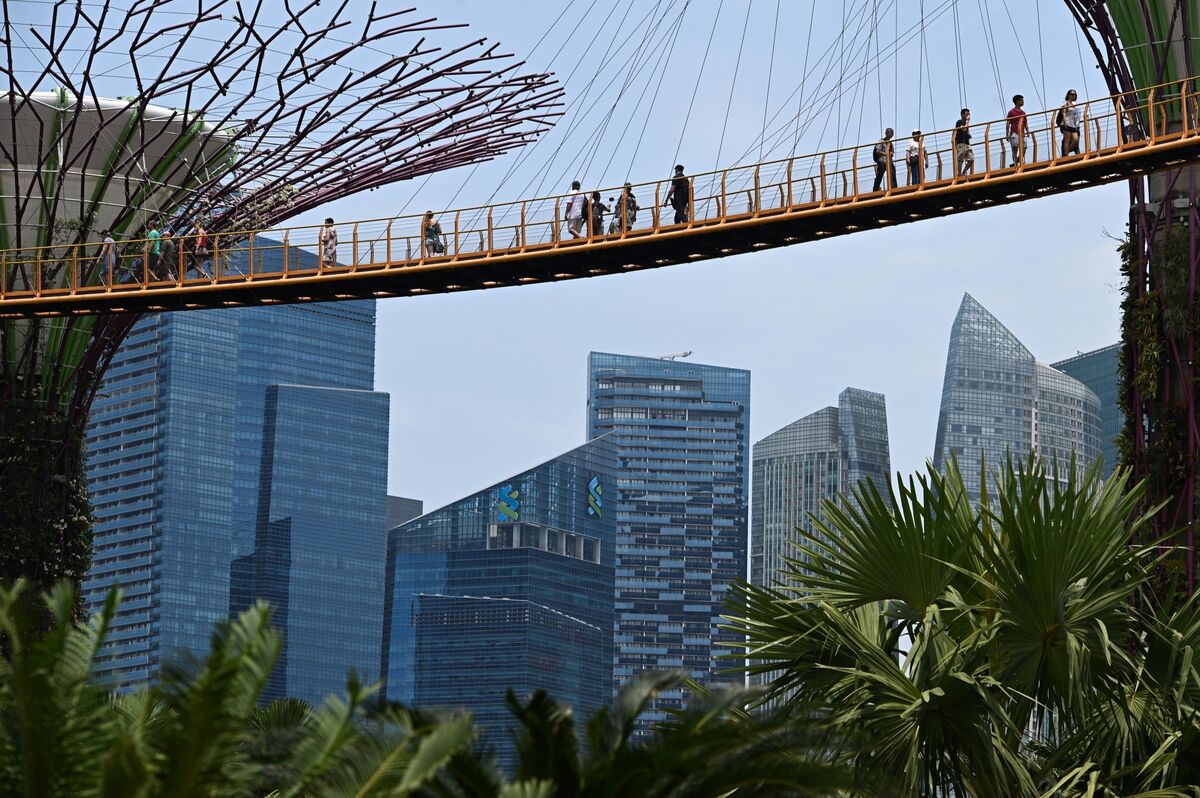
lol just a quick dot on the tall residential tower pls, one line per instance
(681, 431)
(814, 459)
(998, 400)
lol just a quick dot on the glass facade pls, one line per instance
(1100, 371)
(680, 429)
(816, 458)
(511, 586)
(187, 415)
(998, 400)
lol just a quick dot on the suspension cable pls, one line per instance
(770, 76)
(696, 88)
(733, 84)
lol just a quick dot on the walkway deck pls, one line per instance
(736, 210)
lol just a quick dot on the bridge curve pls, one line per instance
(731, 211)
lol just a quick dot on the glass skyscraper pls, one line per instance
(997, 400)
(215, 433)
(816, 458)
(680, 429)
(1100, 371)
(510, 587)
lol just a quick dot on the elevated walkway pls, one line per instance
(731, 211)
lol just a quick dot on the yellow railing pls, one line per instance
(798, 184)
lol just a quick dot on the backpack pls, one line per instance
(1059, 122)
(880, 152)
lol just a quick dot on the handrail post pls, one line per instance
(491, 239)
(145, 267)
(524, 232)
(1120, 123)
(354, 247)
(555, 232)
(757, 190)
(691, 201)
(657, 214)
(789, 185)
(250, 268)
(457, 245)
(854, 171)
(286, 253)
(723, 210)
(389, 243)
(921, 158)
(74, 269)
(987, 150)
(1150, 114)
(823, 190)
(4, 274)
(1087, 133)
(216, 278)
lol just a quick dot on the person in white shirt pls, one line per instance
(328, 244)
(575, 207)
(917, 159)
(1069, 119)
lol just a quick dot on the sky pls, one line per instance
(488, 383)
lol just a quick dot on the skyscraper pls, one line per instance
(215, 432)
(1100, 371)
(816, 458)
(510, 587)
(998, 400)
(680, 429)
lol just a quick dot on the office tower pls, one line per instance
(680, 429)
(510, 587)
(1100, 371)
(215, 432)
(998, 400)
(401, 509)
(820, 457)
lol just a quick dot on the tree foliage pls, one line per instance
(1010, 649)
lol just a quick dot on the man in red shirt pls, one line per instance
(1018, 129)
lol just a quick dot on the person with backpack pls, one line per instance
(1068, 121)
(882, 155)
(679, 195)
(597, 209)
(964, 156)
(917, 159)
(431, 235)
(1018, 130)
(576, 206)
(626, 209)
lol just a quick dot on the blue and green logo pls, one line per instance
(509, 505)
(595, 502)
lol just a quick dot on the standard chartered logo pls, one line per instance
(509, 505)
(595, 501)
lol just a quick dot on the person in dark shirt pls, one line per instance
(598, 209)
(882, 155)
(679, 194)
(964, 156)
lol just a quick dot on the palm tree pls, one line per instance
(1009, 649)
(199, 732)
(711, 749)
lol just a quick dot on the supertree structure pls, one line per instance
(121, 117)
(1140, 44)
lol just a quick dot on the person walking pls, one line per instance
(107, 256)
(431, 235)
(679, 195)
(882, 155)
(1068, 121)
(168, 257)
(917, 159)
(598, 209)
(1018, 130)
(327, 239)
(964, 156)
(575, 208)
(197, 244)
(153, 247)
(627, 208)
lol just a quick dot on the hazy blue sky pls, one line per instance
(485, 384)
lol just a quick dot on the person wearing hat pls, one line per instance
(917, 159)
(328, 241)
(679, 195)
